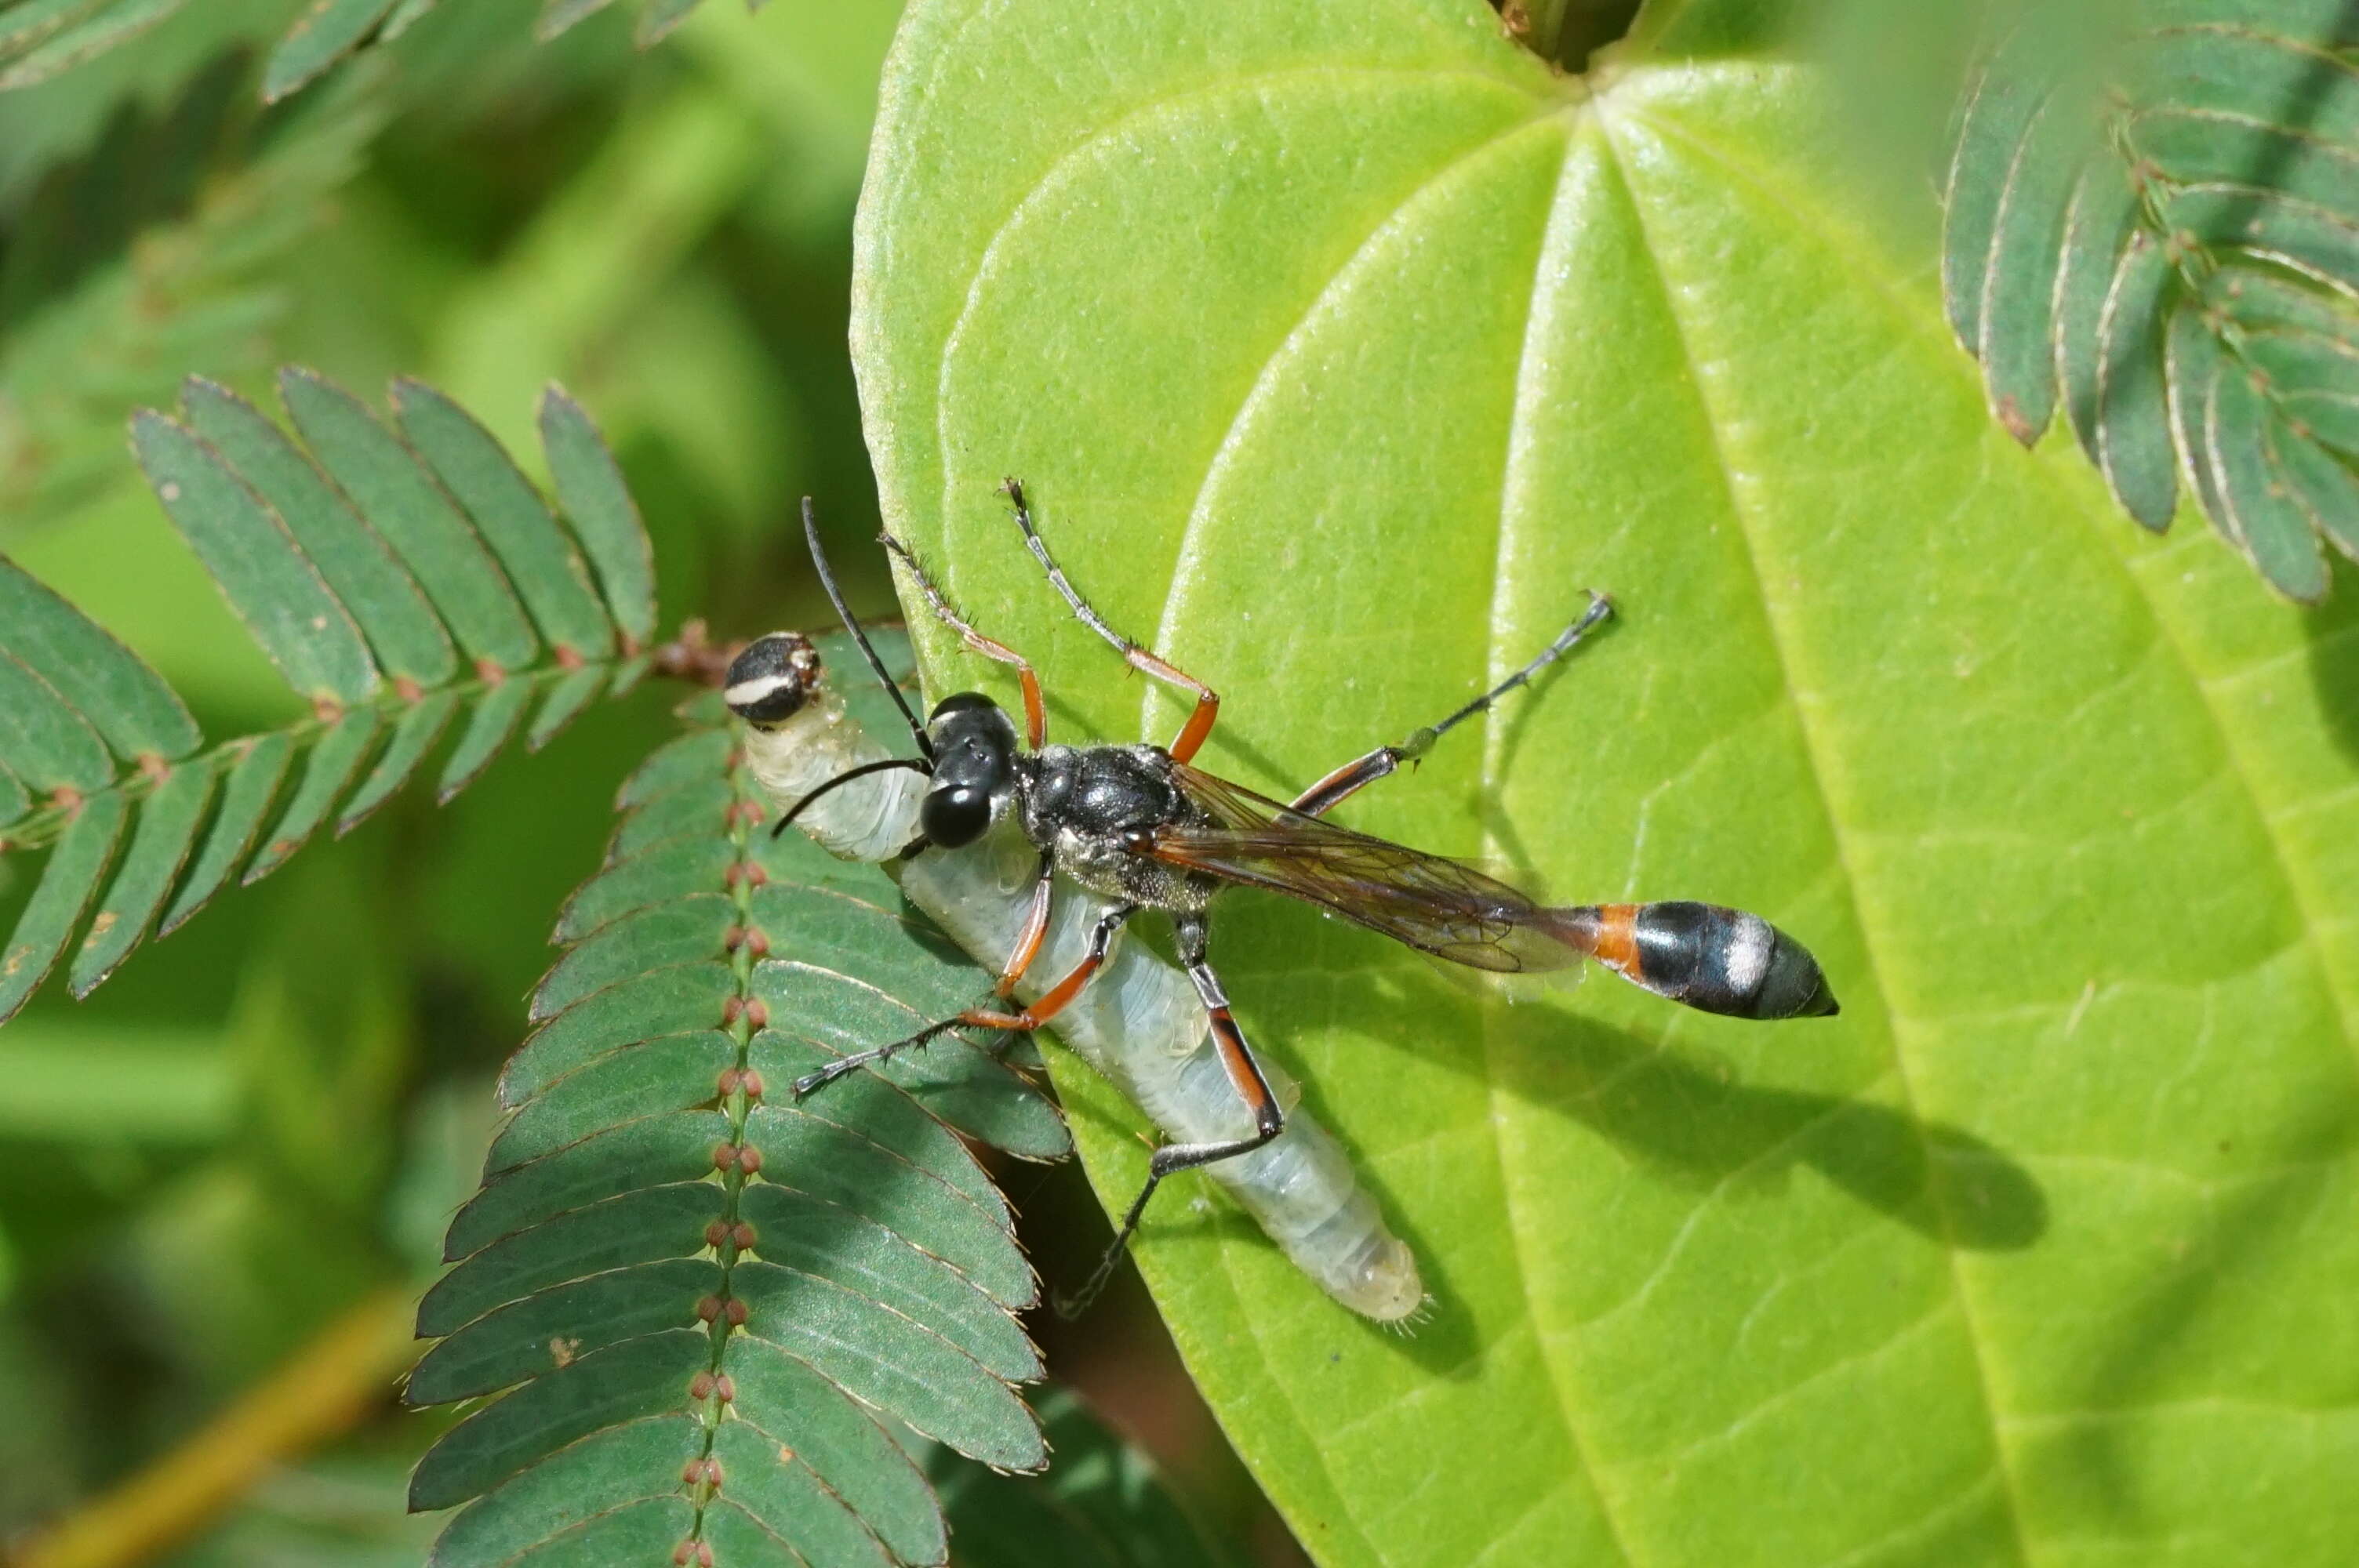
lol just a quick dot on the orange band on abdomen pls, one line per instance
(1617, 937)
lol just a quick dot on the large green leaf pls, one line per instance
(1343, 346)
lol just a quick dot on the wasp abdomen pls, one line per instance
(1706, 955)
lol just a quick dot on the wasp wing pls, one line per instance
(1431, 903)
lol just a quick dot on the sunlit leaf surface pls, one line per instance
(1342, 348)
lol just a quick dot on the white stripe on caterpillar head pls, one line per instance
(771, 678)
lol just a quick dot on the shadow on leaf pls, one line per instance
(2171, 1332)
(1673, 1111)
(1680, 1114)
(2333, 632)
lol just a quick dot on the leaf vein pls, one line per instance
(1267, 377)
(1556, 237)
(1130, 118)
(1816, 763)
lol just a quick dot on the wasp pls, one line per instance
(1140, 1023)
(1140, 826)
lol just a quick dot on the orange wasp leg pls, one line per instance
(1032, 933)
(1208, 702)
(1244, 1073)
(1056, 997)
(1051, 1003)
(1036, 713)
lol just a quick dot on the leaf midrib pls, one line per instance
(1776, 620)
(1916, 320)
(1169, 628)
(2308, 905)
(1609, 1510)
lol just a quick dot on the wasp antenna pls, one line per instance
(914, 764)
(867, 650)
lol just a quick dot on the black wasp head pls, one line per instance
(974, 768)
(771, 679)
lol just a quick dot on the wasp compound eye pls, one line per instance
(955, 815)
(769, 681)
(962, 702)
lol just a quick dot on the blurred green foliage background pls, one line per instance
(243, 1150)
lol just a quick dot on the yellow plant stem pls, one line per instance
(324, 1389)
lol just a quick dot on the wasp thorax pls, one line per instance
(772, 677)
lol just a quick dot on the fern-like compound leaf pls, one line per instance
(326, 32)
(151, 250)
(657, 18)
(133, 708)
(424, 527)
(2152, 220)
(707, 1306)
(361, 568)
(39, 39)
(1103, 1504)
